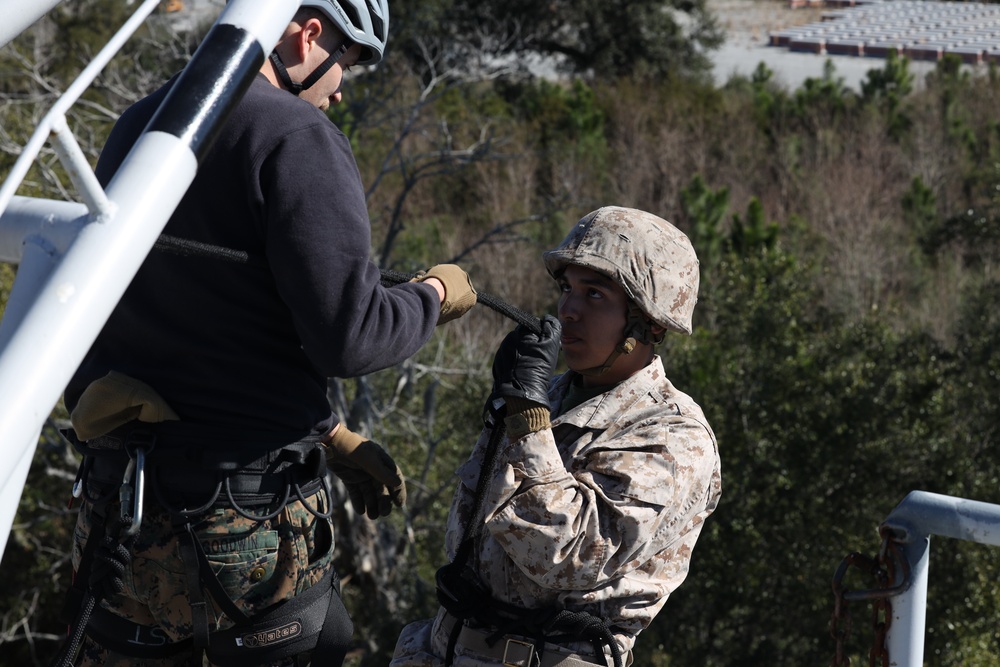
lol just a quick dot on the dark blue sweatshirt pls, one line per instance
(238, 347)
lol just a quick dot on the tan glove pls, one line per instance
(374, 482)
(459, 294)
(117, 399)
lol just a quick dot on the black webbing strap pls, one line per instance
(189, 547)
(293, 86)
(296, 87)
(314, 620)
(456, 593)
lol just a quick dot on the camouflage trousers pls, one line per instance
(258, 563)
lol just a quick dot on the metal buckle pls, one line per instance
(527, 661)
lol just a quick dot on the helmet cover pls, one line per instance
(650, 258)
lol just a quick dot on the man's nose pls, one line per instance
(567, 309)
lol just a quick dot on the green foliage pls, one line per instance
(823, 98)
(588, 37)
(566, 124)
(949, 80)
(886, 88)
(816, 418)
(704, 210)
(920, 212)
(754, 233)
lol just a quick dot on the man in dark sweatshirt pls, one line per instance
(210, 376)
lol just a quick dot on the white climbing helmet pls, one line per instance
(364, 22)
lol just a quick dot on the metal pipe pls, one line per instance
(924, 513)
(904, 639)
(58, 222)
(18, 15)
(40, 351)
(80, 172)
(72, 94)
(920, 515)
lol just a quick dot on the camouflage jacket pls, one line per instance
(600, 513)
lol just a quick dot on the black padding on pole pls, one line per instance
(209, 88)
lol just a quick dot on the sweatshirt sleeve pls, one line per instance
(318, 244)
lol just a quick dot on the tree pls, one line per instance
(587, 37)
(887, 87)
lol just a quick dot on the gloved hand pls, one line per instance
(374, 482)
(459, 294)
(522, 369)
(524, 362)
(117, 399)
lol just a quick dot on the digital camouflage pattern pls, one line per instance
(258, 564)
(600, 513)
(653, 260)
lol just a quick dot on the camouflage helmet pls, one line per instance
(653, 260)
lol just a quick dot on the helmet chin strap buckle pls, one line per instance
(296, 87)
(626, 346)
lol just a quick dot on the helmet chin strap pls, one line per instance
(637, 330)
(296, 87)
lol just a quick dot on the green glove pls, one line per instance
(374, 482)
(459, 294)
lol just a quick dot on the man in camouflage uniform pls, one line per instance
(603, 480)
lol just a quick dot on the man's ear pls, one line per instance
(307, 36)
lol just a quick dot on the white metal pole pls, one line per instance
(53, 222)
(920, 515)
(904, 639)
(41, 351)
(18, 15)
(68, 99)
(36, 263)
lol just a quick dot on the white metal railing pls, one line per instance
(899, 600)
(920, 515)
(76, 260)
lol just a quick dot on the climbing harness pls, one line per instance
(463, 596)
(177, 471)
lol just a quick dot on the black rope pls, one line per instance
(390, 278)
(188, 248)
(106, 578)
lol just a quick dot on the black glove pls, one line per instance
(524, 363)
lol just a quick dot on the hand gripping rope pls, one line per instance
(186, 247)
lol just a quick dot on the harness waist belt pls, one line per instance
(182, 473)
(518, 651)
